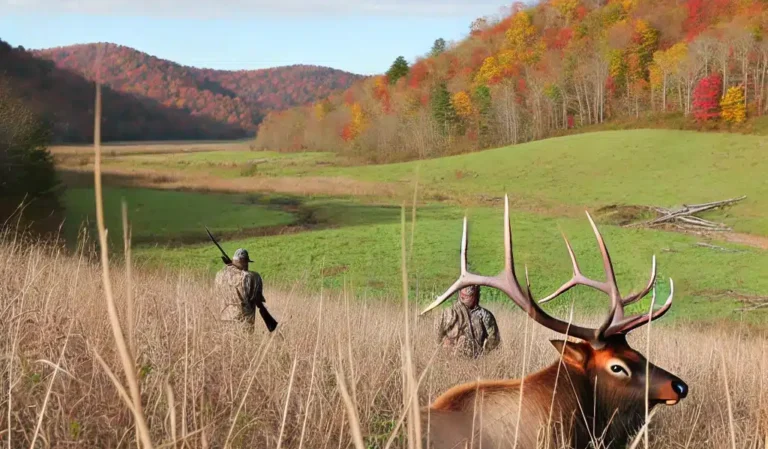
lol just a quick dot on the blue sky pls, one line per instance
(360, 36)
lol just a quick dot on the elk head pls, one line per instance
(603, 355)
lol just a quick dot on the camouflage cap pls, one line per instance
(242, 254)
(470, 289)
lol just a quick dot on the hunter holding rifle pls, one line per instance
(241, 289)
(466, 328)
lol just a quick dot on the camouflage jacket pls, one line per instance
(468, 332)
(239, 293)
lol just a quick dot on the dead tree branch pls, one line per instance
(684, 217)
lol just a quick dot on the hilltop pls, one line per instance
(65, 100)
(238, 98)
(544, 70)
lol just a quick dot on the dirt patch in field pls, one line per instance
(335, 270)
(756, 241)
(622, 215)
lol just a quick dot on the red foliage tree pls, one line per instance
(381, 93)
(349, 97)
(347, 132)
(418, 74)
(706, 98)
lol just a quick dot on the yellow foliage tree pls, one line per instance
(521, 31)
(462, 104)
(322, 109)
(566, 8)
(732, 107)
(628, 5)
(489, 71)
(522, 39)
(358, 119)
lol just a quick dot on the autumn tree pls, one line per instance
(489, 72)
(322, 109)
(397, 70)
(462, 104)
(732, 107)
(522, 40)
(706, 98)
(356, 125)
(566, 8)
(381, 93)
(666, 64)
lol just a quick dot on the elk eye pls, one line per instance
(619, 369)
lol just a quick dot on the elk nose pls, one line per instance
(680, 388)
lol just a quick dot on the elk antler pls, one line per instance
(507, 282)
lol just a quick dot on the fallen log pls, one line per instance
(718, 248)
(685, 218)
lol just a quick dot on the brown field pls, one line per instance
(179, 180)
(205, 385)
(126, 148)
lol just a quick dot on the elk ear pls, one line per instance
(575, 353)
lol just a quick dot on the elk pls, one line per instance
(594, 396)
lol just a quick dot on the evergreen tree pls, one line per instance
(438, 47)
(442, 108)
(398, 70)
(27, 171)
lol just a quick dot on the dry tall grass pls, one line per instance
(205, 384)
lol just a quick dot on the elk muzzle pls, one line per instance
(666, 388)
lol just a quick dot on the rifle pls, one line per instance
(269, 321)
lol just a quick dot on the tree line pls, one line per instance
(544, 70)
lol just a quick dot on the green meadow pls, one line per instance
(356, 242)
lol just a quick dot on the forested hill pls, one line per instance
(542, 70)
(237, 98)
(65, 100)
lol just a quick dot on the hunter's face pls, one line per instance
(469, 297)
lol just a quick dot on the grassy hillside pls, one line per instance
(640, 167)
(356, 238)
(557, 176)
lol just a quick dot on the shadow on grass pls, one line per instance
(308, 214)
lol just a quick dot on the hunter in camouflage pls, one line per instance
(467, 328)
(239, 290)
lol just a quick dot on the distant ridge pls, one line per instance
(235, 100)
(65, 99)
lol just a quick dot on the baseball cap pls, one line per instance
(242, 254)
